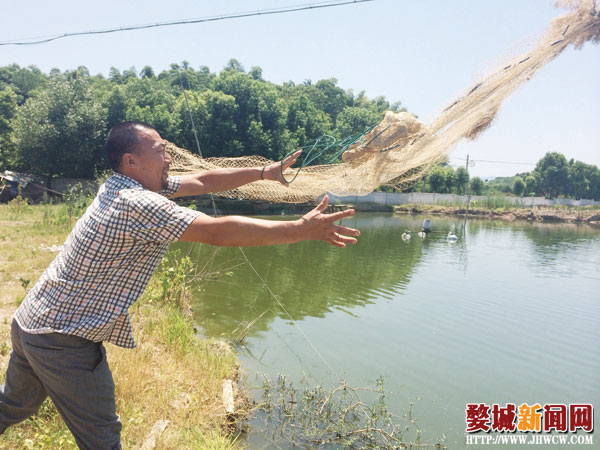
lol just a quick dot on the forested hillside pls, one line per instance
(54, 124)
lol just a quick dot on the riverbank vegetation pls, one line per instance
(169, 389)
(552, 177)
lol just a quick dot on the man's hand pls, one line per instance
(317, 226)
(237, 231)
(274, 171)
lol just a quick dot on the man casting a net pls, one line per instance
(82, 299)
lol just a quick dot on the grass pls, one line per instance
(494, 203)
(172, 376)
(490, 203)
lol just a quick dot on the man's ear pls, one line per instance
(128, 161)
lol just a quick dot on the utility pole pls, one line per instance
(467, 169)
(467, 195)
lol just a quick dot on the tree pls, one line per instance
(382, 105)
(518, 187)
(245, 90)
(153, 103)
(256, 73)
(8, 108)
(116, 107)
(22, 80)
(579, 183)
(235, 66)
(114, 75)
(305, 122)
(205, 78)
(436, 179)
(530, 185)
(477, 186)
(594, 177)
(353, 120)
(449, 179)
(553, 174)
(130, 74)
(59, 131)
(185, 75)
(333, 99)
(147, 72)
(258, 141)
(462, 179)
(82, 71)
(260, 113)
(583, 180)
(214, 116)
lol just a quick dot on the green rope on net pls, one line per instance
(329, 147)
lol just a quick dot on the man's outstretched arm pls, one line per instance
(237, 231)
(219, 180)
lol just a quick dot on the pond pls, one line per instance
(509, 313)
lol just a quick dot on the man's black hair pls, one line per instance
(121, 139)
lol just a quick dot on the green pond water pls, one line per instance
(509, 313)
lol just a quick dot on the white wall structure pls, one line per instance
(396, 198)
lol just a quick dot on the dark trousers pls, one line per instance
(74, 372)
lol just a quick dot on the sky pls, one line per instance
(423, 54)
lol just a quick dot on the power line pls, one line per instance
(265, 12)
(498, 162)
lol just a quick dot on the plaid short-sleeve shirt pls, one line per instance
(106, 263)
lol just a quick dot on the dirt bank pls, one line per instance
(540, 214)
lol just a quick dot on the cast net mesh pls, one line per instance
(400, 150)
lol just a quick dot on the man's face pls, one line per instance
(152, 161)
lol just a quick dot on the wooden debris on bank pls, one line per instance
(228, 397)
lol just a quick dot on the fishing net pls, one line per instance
(400, 150)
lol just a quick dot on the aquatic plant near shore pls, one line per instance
(314, 417)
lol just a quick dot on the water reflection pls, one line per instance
(560, 246)
(552, 249)
(309, 278)
(312, 279)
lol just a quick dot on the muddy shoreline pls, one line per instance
(536, 214)
(532, 214)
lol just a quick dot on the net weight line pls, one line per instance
(264, 283)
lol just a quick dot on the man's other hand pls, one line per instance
(318, 226)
